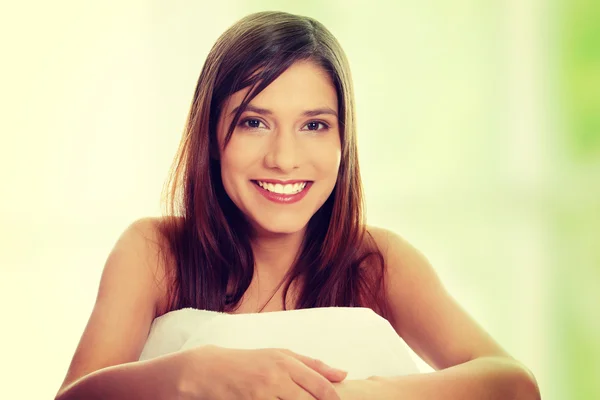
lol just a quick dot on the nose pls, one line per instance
(282, 153)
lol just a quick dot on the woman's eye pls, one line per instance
(314, 126)
(251, 123)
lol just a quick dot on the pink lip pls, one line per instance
(283, 198)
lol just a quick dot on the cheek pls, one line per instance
(236, 157)
(327, 159)
(230, 172)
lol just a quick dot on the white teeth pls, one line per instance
(283, 189)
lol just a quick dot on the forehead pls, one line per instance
(304, 85)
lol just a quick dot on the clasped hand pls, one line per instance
(212, 372)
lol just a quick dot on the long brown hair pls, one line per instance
(208, 236)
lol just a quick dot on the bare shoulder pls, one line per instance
(408, 272)
(397, 251)
(423, 312)
(130, 295)
(149, 232)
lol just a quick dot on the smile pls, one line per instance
(283, 192)
(290, 188)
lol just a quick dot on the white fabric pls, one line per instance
(351, 338)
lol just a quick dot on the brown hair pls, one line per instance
(208, 236)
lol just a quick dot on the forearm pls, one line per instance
(151, 379)
(488, 378)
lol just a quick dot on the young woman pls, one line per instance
(266, 190)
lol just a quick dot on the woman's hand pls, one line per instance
(212, 372)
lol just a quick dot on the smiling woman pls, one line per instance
(286, 147)
(266, 214)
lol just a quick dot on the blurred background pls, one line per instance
(479, 137)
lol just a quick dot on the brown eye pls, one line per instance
(250, 123)
(253, 123)
(314, 126)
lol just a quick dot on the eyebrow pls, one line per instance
(307, 113)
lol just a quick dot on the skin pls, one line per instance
(285, 145)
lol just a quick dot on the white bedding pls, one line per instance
(351, 338)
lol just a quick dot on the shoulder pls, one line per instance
(146, 237)
(395, 248)
(143, 231)
(151, 229)
(400, 256)
(130, 294)
(423, 312)
(408, 273)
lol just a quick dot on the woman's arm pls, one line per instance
(496, 378)
(484, 378)
(130, 295)
(151, 379)
(469, 363)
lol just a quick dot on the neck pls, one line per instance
(274, 253)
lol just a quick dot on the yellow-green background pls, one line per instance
(479, 135)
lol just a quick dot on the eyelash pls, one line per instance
(242, 124)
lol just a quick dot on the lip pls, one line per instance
(282, 198)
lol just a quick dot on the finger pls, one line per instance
(294, 392)
(311, 381)
(332, 374)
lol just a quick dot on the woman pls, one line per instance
(266, 190)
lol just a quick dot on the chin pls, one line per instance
(281, 228)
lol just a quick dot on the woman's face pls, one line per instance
(282, 161)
